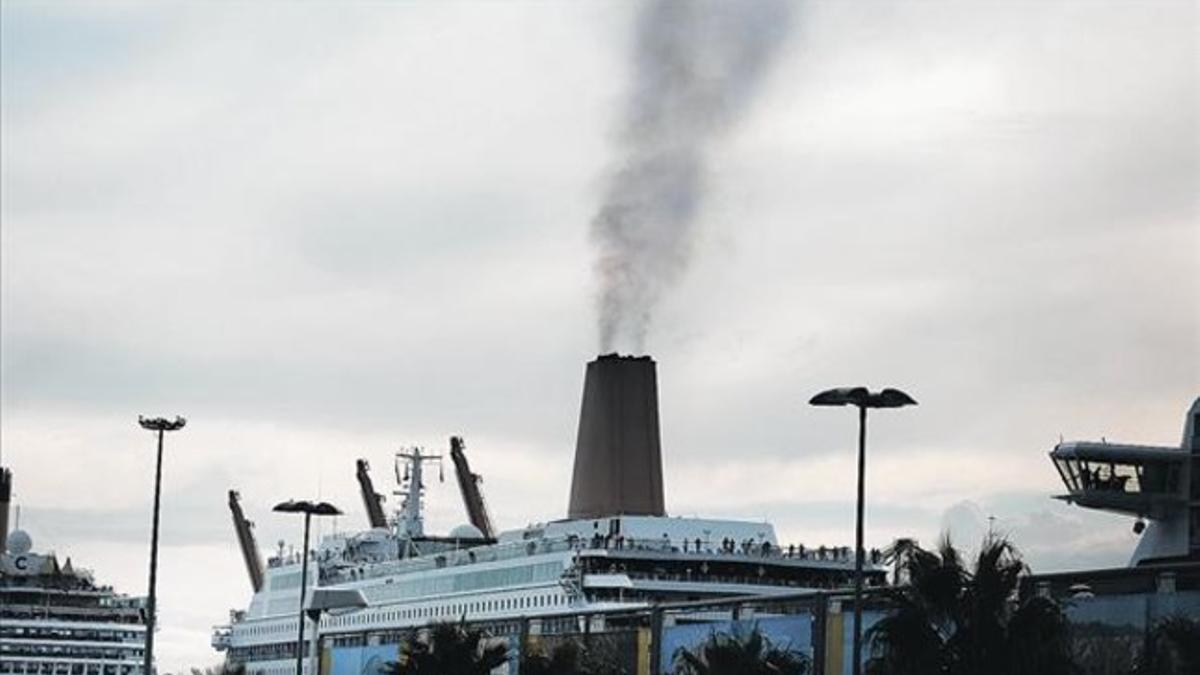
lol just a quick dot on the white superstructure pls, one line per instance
(55, 620)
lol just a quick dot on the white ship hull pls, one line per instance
(543, 573)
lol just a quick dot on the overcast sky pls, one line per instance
(324, 231)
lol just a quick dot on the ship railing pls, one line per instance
(67, 613)
(222, 638)
(746, 549)
(349, 571)
(744, 580)
(497, 552)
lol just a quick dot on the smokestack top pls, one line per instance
(614, 356)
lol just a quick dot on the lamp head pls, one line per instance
(305, 506)
(862, 398)
(891, 398)
(161, 423)
(840, 396)
(325, 509)
(290, 506)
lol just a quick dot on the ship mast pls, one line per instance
(409, 521)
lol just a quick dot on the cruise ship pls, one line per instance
(55, 619)
(615, 549)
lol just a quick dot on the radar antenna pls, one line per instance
(409, 520)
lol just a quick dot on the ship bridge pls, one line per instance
(1137, 480)
(1159, 484)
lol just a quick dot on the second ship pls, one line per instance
(617, 548)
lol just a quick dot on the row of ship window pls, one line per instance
(271, 629)
(403, 588)
(289, 669)
(269, 652)
(464, 582)
(14, 612)
(451, 583)
(11, 650)
(51, 633)
(451, 610)
(17, 667)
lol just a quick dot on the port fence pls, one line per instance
(1108, 631)
(645, 641)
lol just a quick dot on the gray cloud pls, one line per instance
(1051, 537)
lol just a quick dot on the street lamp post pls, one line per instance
(161, 425)
(862, 399)
(331, 601)
(309, 509)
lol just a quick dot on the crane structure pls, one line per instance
(468, 485)
(245, 535)
(372, 500)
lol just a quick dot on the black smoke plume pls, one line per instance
(697, 65)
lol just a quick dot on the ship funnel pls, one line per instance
(5, 498)
(618, 454)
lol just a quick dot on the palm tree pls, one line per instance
(735, 654)
(1172, 649)
(568, 658)
(564, 659)
(951, 620)
(898, 551)
(450, 649)
(226, 668)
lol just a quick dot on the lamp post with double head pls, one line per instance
(309, 509)
(863, 399)
(161, 426)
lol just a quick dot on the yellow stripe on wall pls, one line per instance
(643, 651)
(835, 638)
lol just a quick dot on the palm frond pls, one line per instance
(950, 620)
(1173, 647)
(739, 653)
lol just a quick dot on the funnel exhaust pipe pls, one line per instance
(618, 453)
